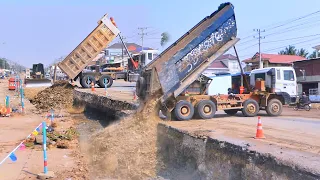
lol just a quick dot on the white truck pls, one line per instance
(282, 79)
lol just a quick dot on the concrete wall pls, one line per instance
(182, 156)
(104, 106)
(307, 79)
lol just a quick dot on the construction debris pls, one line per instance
(58, 96)
(128, 148)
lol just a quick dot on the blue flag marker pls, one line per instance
(13, 157)
(38, 129)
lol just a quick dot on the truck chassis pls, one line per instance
(205, 106)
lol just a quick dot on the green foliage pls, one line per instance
(313, 55)
(4, 63)
(302, 52)
(165, 38)
(291, 50)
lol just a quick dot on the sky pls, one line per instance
(37, 31)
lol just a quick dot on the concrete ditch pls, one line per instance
(102, 107)
(182, 155)
(189, 157)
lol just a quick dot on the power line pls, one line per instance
(280, 40)
(283, 23)
(290, 44)
(293, 20)
(292, 29)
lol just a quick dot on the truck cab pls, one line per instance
(282, 79)
(142, 59)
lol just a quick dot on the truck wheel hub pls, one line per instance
(275, 107)
(185, 110)
(207, 109)
(251, 108)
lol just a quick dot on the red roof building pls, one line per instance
(271, 60)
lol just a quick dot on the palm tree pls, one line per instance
(165, 37)
(302, 52)
(290, 50)
(313, 55)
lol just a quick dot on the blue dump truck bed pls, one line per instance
(184, 61)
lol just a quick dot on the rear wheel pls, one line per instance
(274, 107)
(87, 80)
(184, 110)
(105, 80)
(250, 108)
(307, 107)
(231, 112)
(206, 109)
(141, 87)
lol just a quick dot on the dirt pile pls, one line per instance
(58, 96)
(127, 149)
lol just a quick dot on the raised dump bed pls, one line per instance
(184, 61)
(89, 49)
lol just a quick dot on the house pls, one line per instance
(271, 60)
(117, 55)
(227, 64)
(308, 76)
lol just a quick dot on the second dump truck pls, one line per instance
(181, 64)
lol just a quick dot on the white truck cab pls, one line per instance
(282, 79)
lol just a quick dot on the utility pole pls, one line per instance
(142, 34)
(259, 38)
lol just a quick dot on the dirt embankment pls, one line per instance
(128, 148)
(58, 96)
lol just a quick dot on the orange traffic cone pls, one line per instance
(92, 87)
(259, 134)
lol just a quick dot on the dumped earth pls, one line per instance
(127, 149)
(58, 96)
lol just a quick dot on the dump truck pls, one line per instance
(86, 51)
(36, 77)
(181, 65)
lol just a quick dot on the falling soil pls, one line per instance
(58, 96)
(127, 149)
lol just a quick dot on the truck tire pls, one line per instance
(206, 109)
(141, 87)
(274, 107)
(104, 78)
(250, 108)
(86, 81)
(183, 111)
(231, 112)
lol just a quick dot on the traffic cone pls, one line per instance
(92, 87)
(259, 134)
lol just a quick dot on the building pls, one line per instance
(117, 55)
(308, 76)
(227, 64)
(271, 60)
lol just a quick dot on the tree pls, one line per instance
(165, 37)
(290, 50)
(302, 52)
(313, 55)
(4, 63)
